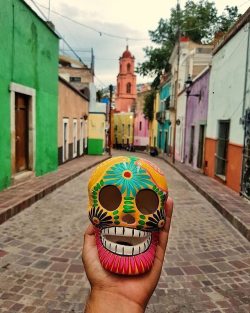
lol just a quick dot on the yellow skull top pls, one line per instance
(127, 192)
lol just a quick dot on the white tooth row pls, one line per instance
(126, 250)
(124, 231)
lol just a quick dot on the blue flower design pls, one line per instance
(128, 176)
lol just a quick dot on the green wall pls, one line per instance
(29, 56)
(95, 146)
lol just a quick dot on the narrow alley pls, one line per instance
(206, 268)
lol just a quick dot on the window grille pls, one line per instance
(222, 147)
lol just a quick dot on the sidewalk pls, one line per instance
(18, 197)
(230, 204)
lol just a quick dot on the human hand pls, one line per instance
(114, 293)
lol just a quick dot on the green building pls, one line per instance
(28, 93)
(163, 119)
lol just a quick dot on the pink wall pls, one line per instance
(140, 133)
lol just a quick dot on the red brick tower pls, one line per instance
(126, 83)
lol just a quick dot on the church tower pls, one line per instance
(126, 83)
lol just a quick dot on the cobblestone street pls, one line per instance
(206, 269)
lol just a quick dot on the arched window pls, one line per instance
(128, 87)
(118, 88)
(120, 67)
(128, 67)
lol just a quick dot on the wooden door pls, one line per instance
(191, 151)
(166, 143)
(201, 146)
(22, 126)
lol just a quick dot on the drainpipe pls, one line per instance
(185, 131)
(13, 42)
(246, 72)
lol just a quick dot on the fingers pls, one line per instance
(88, 241)
(89, 236)
(169, 211)
(90, 230)
(163, 237)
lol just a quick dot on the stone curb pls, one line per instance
(235, 222)
(24, 203)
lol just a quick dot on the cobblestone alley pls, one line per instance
(207, 266)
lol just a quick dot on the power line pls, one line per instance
(103, 85)
(95, 29)
(88, 51)
(71, 49)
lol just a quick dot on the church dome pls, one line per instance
(127, 54)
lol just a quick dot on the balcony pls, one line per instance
(160, 117)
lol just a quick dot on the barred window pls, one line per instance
(222, 147)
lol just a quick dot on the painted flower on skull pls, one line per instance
(129, 177)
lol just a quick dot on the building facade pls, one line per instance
(187, 59)
(163, 118)
(141, 125)
(72, 122)
(153, 125)
(123, 129)
(196, 121)
(28, 93)
(229, 102)
(97, 132)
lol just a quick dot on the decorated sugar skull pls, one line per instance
(127, 207)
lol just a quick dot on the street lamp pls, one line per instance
(188, 85)
(110, 108)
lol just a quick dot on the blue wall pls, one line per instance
(163, 129)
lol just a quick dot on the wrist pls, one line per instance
(108, 302)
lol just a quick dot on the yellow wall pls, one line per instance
(153, 125)
(97, 126)
(122, 134)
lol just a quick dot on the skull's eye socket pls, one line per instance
(110, 197)
(147, 201)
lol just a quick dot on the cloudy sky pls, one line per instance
(108, 25)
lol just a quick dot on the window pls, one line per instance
(140, 125)
(159, 139)
(74, 138)
(167, 103)
(222, 147)
(81, 137)
(75, 79)
(128, 87)
(128, 129)
(191, 151)
(128, 67)
(65, 153)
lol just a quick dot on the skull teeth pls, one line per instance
(124, 231)
(125, 241)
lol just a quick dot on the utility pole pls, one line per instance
(49, 11)
(177, 77)
(110, 115)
